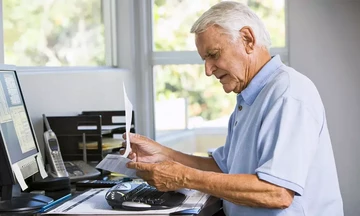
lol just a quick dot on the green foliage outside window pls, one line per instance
(53, 32)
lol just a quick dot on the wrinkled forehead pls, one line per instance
(211, 38)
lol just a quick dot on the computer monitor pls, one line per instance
(20, 156)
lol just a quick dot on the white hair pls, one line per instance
(233, 16)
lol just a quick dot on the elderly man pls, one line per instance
(277, 159)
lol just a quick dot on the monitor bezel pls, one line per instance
(34, 158)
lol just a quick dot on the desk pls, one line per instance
(211, 206)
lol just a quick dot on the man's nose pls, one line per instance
(209, 68)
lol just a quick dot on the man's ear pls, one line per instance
(248, 39)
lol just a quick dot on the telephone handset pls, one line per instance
(75, 170)
(53, 152)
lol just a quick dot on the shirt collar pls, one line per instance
(260, 79)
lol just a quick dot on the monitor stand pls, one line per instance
(18, 202)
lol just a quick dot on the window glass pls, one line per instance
(53, 33)
(186, 98)
(173, 20)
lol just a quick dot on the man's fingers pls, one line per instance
(139, 166)
(136, 138)
(132, 156)
(135, 165)
(130, 134)
(150, 182)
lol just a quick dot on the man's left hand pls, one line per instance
(165, 176)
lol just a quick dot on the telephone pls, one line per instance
(75, 170)
(53, 152)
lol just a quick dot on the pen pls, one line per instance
(49, 205)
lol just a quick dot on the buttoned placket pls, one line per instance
(238, 109)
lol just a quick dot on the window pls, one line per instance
(184, 97)
(173, 20)
(189, 98)
(53, 33)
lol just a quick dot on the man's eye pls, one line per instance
(214, 55)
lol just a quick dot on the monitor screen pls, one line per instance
(16, 129)
(20, 157)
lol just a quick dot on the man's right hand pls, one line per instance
(146, 150)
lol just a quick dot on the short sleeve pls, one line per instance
(221, 153)
(219, 158)
(287, 143)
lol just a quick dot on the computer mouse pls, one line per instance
(123, 186)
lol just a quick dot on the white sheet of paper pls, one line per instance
(117, 164)
(19, 177)
(93, 202)
(41, 166)
(128, 117)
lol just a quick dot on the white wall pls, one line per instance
(324, 38)
(69, 93)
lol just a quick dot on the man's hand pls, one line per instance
(146, 150)
(165, 176)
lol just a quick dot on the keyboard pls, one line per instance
(86, 184)
(142, 197)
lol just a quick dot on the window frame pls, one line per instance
(192, 57)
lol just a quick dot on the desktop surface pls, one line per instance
(93, 202)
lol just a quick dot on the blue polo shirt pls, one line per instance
(278, 131)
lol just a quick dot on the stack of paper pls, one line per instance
(93, 202)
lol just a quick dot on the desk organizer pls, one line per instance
(100, 130)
